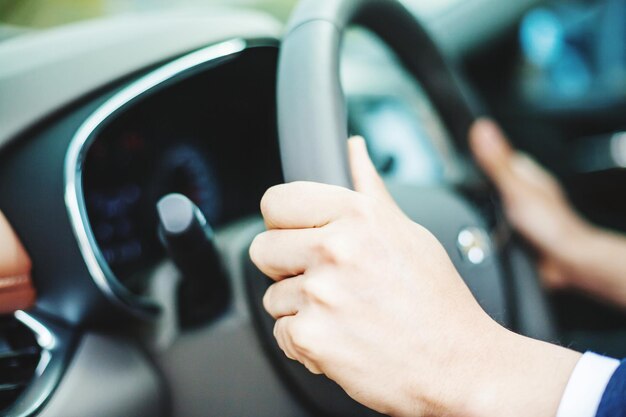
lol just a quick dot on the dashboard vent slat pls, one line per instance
(19, 356)
(10, 387)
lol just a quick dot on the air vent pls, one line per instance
(19, 356)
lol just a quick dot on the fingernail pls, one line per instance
(357, 143)
(359, 140)
(488, 137)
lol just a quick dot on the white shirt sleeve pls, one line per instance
(586, 386)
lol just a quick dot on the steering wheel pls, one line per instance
(313, 131)
(311, 105)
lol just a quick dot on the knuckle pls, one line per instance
(301, 339)
(311, 290)
(334, 250)
(306, 340)
(319, 291)
(313, 368)
(363, 207)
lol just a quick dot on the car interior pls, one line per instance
(120, 120)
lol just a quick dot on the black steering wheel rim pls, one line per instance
(312, 112)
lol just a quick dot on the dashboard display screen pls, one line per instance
(211, 137)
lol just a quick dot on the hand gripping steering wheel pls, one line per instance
(313, 131)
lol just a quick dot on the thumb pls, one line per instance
(494, 154)
(364, 175)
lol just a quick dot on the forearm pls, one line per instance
(598, 265)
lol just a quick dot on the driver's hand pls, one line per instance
(535, 204)
(371, 299)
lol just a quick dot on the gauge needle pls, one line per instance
(16, 287)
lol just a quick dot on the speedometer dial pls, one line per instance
(183, 169)
(129, 172)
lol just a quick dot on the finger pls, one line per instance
(364, 174)
(283, 329)
(281, 334)
(314, 369)
(281, 254)
(303, 205)
(494, 154)
(284, 298)
(529, 170)
(552, 274)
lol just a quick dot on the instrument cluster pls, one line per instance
(211, 137)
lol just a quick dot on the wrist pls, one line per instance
(489, 372)
(575, 237)
(570, 257)
(520, 377)
(596, 268)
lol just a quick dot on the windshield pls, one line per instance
(49, 13)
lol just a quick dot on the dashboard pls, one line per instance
(208, 132)
(72, 187)
(213, 138)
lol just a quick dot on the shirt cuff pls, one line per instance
(586, 386)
